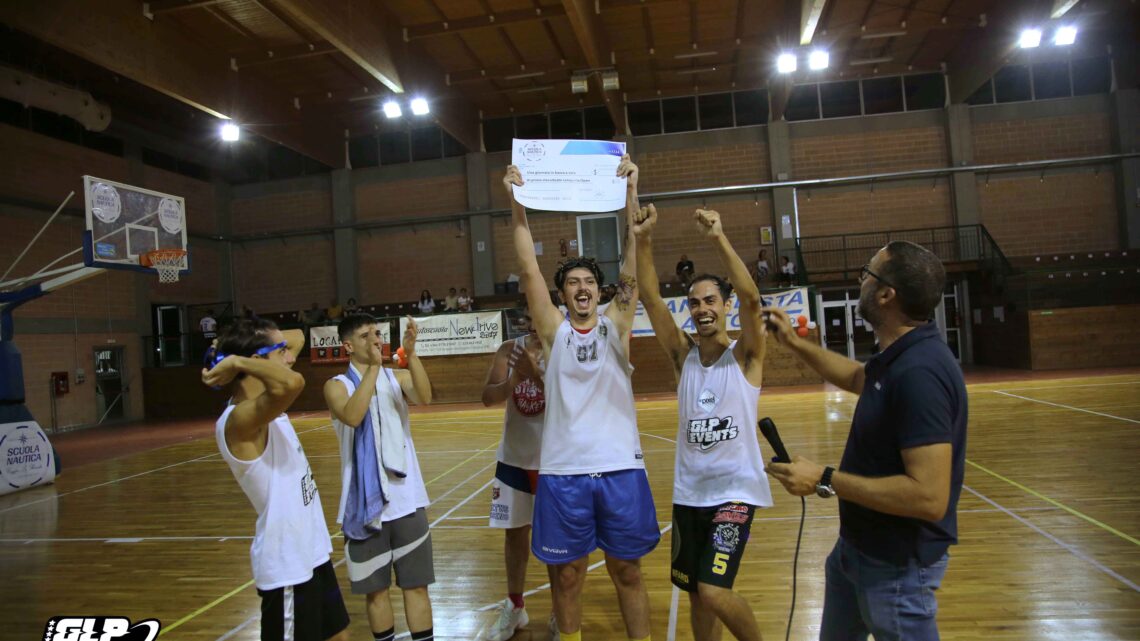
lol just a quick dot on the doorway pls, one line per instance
(169, 335)
(599, 237)
(109, 390)
(844, 331)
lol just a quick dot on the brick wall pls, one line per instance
(545, 228)
(201, 210)
(43, 170)
(1067, 212)
(1042, 138)
(277, 276)
(397, 263)
(394, 199)
(280, 212)
(706, 166)
(824, 212)
(868, 152)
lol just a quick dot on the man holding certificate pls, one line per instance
(592, 489)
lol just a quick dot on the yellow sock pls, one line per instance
(570, 636)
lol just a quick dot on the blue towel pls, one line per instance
(365, 497)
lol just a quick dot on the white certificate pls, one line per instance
(569, 175)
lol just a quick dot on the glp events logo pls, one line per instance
(73, 628)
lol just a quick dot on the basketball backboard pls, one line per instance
(124, 222)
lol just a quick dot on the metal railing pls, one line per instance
(840, 257)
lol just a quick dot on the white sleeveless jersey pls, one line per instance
(291, 537)
(590, 422)
(718, 454)
(521, 444)
(405, 495)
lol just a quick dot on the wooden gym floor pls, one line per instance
(1049, 518)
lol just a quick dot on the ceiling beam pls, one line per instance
(163, 57)
(354, 28)
(788, 32)
(156, 7)
(976, 59)
(282, 54)
(810, 15)
(592, 40)
(447, 27)
(1061, 7)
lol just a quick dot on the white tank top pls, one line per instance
(291, 537)
(405, 495)
(521, 444)
(590, 422)
(718, 454)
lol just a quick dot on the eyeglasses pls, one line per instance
(866, 271)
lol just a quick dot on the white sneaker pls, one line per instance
(553, 628)
(510, 619)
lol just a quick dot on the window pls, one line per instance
(566, 124)
(840, 99)
(283, 162)
(984, 95)
(644, 117)
(751, 107)
(1011, 84)
(426, 143)
(394, 148)
(882, 95)
(679, 114)
(803, 103)
(1092, 75)
(497, 133)
(1051, 80)
(363, 152)
(532, 127)
(925, 91)
(715, 110)
(599, 124)
(452, 147)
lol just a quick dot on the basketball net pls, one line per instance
(167, 262)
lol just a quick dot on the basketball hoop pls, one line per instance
(167, 262)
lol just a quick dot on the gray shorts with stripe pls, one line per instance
(404, 543)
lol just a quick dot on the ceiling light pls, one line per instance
(392, 109)
(1065, 36)
(230, 132)
(610, 81)
(818, 59)
(419, 106)
(786, 63)
(1030, 38)
(579, 83)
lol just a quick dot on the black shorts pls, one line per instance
(708, 543)
(311, 611)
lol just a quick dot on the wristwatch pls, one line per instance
(823, 488)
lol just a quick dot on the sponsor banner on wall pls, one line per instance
(28, 457)
(450, 334)
(795, 302)
(325, 347)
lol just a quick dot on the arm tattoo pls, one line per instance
(626, 286)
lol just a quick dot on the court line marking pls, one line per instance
(457, 465)
(1072, 549)
(1067, 407)
(1076, 513)
(1027, 389)
(461, 484)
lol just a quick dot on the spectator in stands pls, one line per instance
(451, 303)
(351, 307)
(465, 301)
(209, 326)
(787, 270)
(335, 312)
(762, 269)
(427, 303)
(313, 316)
(685, 271)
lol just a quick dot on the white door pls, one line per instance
(599, 237)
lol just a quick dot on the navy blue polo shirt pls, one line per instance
(913, 395)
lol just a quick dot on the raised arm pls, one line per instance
(753, 335)
(835, 369)
(672, 338)
(247, 424)
(544, 314)
(414, 380)
(350, 410)
(623, 306)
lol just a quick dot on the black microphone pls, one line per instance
(768, 429)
